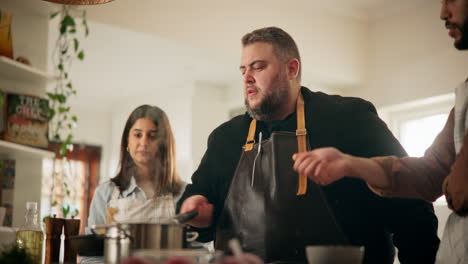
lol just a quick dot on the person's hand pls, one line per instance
(323, 166)
(204, 208)
(245, 258)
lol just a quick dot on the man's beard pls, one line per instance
(272, 102)
(462, 44)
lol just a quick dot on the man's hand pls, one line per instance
(323, 166)
(204, 208)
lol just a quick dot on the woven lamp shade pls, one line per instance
(79, 2)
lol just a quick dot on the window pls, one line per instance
(416, 135)
(416, 124)
(74, 183)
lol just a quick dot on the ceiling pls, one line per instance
(371, 9)
(208, 31)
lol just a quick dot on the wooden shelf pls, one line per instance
(15, 71)
(15, 151)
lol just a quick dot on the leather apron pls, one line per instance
(273, 211)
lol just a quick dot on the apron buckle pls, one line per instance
(301, 132)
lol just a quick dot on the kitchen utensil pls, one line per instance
(53, 230)
(185, 217)
(71, 228)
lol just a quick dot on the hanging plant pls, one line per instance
(72, 26)
(67, 49)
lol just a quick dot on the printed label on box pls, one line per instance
(27, 120)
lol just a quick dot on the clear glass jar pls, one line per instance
(30, 236)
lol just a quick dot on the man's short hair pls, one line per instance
(284, 46)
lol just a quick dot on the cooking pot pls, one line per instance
(88, 245)
(122, 238)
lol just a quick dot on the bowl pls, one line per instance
(335, 254)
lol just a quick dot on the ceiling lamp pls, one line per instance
(80, 2)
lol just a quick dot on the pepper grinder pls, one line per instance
(72, 228)
(53, 232)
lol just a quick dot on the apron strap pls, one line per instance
(115, 193)
(301, 133)
(249, 144)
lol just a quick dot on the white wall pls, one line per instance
(210, 107)
(178, 111)
(333, 47)
(94, 128)
(118, 76)
(412, 57)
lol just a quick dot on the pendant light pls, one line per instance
(79, 2)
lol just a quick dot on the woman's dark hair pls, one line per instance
(165, 178)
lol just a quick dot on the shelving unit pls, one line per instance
(30, 25)
(37, 7)
(15, 71)
(17, 151)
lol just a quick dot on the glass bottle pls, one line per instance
(29, 235)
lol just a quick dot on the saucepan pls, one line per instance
(123, 238)
(335, 254)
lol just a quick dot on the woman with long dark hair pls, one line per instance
(147, 186)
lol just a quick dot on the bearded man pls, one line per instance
(245, 186)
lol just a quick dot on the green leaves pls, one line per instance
(57, 97)
(67, 22)
(66, 209)
(81, 55)
(53, 15)
(66, 144)
(76, 44)
(51, 113)
(64, 109)
(69, 48)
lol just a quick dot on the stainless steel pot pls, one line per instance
(160, 236)
(117, 244)
(122, 239)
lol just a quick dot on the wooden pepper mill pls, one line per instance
(53, 232)
(72, 228)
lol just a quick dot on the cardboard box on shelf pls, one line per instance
(27, 120)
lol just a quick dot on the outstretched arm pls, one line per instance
(327, 165)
